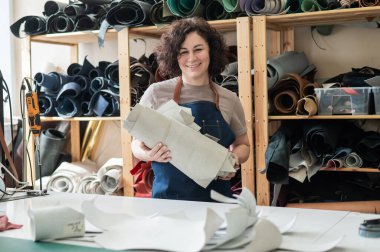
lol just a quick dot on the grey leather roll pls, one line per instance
(353, 160)
(51, 145)
(288, 62)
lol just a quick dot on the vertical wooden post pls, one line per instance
(261, 107)
(244, 50)
(74, 125)
(28, 169)
(125, 107)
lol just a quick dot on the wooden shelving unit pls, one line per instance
(242, 27)
(281, 39)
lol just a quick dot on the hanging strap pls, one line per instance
(178, 87)
(7, 154)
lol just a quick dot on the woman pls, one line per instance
(191, 52)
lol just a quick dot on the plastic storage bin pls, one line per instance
(376, 96)
(343, 101)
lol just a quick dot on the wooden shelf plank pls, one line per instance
(353, 206)
(71, 38)
(350, 15)
(83, 119)
(352, 169)
(318, 117)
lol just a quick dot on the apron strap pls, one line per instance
(177, 92)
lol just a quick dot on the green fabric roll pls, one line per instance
(310, 5)
(185, 8)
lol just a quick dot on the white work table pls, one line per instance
(314, 225)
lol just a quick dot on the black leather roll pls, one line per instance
(51, 144)
(53, 7)
(67, 102)
(74, 69)
(112, 72)
(105, 103)
(46, 104)
(51, 82)
(86, 22)
(156, 14)
(75, 9)
(78, 69)
(83, 82)
(98, 84)
(141, 76)
(33, 25)
(96, 72)
(129, 13)
(214, 10)
(59, 23)
(71, 89)
(96, 1)
(68, 107)
(85, 107)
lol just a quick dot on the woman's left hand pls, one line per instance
(230, 175)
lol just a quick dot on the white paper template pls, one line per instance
(55, 222)
(294, 243)
(197, 156)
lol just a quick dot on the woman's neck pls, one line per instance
(201, 81)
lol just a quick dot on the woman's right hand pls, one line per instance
(159, 153)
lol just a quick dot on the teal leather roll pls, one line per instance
(231, 5)
(185, 8)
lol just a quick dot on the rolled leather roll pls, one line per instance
(105, 103)
(75, 9)
(112, 72)
(214, 10)
(98, 84)
(46, 104)
(33, 25)
(86, 22)
(156, 14)
(186, 8)
(53, 7)
(51, 81)
(129, 13)
(67, 102)
(52, 142)
(82, 81)
(59, 23)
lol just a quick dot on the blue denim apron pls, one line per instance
(171, 183)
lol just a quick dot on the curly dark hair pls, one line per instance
(171, 41)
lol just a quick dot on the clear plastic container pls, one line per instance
(343, 101)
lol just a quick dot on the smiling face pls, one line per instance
(194, 59)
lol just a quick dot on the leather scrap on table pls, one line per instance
(5, 224)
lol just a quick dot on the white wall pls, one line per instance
(348, 46)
